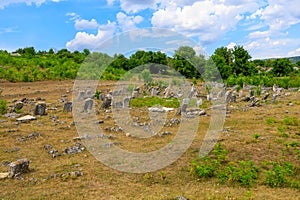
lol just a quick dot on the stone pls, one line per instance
(183, 107)
(11, 115)
(273, 98)
(68, 107)
(126, 102)
(26, 118)
(265, 97)
(40, 108)
(4, 175)
(81, 96)
(88, 104)
(106, 104)
(18, 167)
(18, 106)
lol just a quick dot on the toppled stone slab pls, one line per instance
(26, 118)
(31, 136)
(11, 115)
(162, 109)
(4, 175)
(18, 167)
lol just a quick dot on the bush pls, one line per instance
(3, 106)
(279, 175)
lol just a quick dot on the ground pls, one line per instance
(101, 182)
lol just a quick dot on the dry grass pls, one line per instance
(101, 182)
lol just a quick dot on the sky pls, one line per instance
(265, 28)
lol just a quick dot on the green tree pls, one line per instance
(282, 67)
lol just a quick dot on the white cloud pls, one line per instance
(4, 3)
(81, 24)
(134, 6)
(294, 52)
(208, 20)
(126, 22)
(272, 48)
(84, 40)
(231, 45)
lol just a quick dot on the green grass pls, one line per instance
(152, 101)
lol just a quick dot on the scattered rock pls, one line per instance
(77, 148)
(4, 175)
(68, 107)
(40, 108)
(26, 118)
(18, 167)
(11, 115)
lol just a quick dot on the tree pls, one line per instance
(241, 59)
(282, 67)
(223, 58)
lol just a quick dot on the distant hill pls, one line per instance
(294, 59)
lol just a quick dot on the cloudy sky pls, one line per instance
(266, 28)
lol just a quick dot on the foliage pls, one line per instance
(280, 175)
(3, 106)
(152, 101)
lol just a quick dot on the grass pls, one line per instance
(154, 101)
(234, 156)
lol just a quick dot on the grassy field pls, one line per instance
(270, 133)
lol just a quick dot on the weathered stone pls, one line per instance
(126, 102)
(183, 107)
(265, 97)
(4, 175)
(18, 167)
(26, 118)
(273, 98)
(40, 108)
(106, 104)
(68, 107)
(18, 106)
(81, 96)
(88, 104)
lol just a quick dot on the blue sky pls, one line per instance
(266, 28)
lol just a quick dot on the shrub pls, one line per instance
(278, 175)
(3, 106)
(291, 121)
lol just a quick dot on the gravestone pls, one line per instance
(273, 98)
(40, 108)
(183, 107)
(88, 104)
(265, 97)
(18, 167)
(81, 95)
(68, 107)
(126, 102)
(106, 103)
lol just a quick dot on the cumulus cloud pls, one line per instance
(294, 52)
(134, 6)
(4, 3)
(272, 48)
(208, 20)
(84, 40)
(126, 22)
(81, 24)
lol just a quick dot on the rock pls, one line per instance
(265, 96)
(88, 104)
(18, 167)
(106, 104)
(68, 107)
(17, 106)
(40, 108)
(181, 198)
(4, 175)
(11, 115)
(26, 118)
(273, 98)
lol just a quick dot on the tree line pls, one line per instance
(233, 65)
